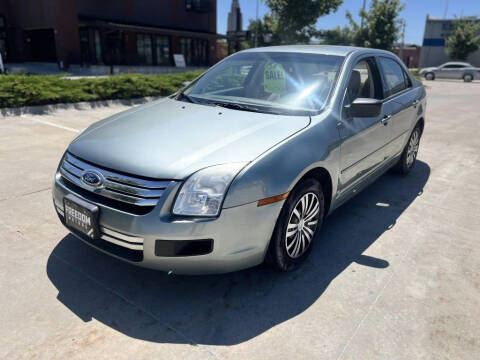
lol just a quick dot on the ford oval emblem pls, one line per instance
(92, 178)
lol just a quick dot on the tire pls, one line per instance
(467, 77)
(409, 154)
(430, 76)
(287, 251)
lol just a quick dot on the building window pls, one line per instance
(3, 38)
(144, 49)
(198, 5)
(162, 50)
(195, 51)
(85, 45)
(186, 49)
(98, 47)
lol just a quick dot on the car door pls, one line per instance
(363, 139)
(401, 101)
(441, 72)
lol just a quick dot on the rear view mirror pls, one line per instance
(365, 107)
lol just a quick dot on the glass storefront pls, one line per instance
(3, 38)
(144, 49)
(162, 46)
(119, 47)
(195, 51)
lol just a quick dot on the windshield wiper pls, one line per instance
(186, 97)
(237, 106)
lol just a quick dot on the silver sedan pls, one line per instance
(244, 164)
(451, 70)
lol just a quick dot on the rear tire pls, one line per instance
(409, 154)
(467, 78)
(430, 76)
(299, 222)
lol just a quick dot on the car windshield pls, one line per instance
(275, 82)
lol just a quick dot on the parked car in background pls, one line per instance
(451, 70)
(243, 164)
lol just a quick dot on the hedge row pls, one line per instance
(26, 90)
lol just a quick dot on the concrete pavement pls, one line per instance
(394, 273)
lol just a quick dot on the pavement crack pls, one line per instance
(25, 194)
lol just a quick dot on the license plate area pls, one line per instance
(81, 216)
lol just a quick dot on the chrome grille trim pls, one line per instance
(60, 210)
(129, 238)
(121, 243)
(124, 188)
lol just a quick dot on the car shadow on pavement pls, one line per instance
(230, 308)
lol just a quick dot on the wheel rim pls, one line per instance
(429, 76)
(468, 77)
(413, 148)
(302, 225)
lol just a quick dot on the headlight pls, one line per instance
(203, 192)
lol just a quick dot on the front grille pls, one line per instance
(123, 192)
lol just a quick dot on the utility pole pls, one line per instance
(404, 24)
(256, 26)
(363, 10)
(446, 9)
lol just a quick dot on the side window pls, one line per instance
(394, 76)
(363, 82)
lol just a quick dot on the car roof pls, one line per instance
(317, 49)
(457, 63)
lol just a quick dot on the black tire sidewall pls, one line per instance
(404, 168)
(277, 252)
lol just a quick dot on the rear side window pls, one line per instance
(395, 78)
(454, 66)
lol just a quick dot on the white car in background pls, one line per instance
(451, 70)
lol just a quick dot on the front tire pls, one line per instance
(409, 154)
(299, 222)
(467, 78)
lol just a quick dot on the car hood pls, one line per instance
(169, 139)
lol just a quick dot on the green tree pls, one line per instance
(293, 21)
(464, 39)
(264, 28)
(381, 26)
(337, 36)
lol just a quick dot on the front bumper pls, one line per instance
(240, 234)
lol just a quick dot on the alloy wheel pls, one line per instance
(412, 150)
(302, 225)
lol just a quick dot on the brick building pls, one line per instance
(120, 32)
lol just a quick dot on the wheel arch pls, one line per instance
(323, 176)
(421, 123)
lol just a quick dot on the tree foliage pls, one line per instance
(338, 36)
(293, 21)
(264, 31)
(464, 39)
(380, 28)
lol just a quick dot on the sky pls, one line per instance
(415, 14)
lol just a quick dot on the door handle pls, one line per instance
(385, 119)
(415, 102)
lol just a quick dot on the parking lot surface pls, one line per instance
(394, 273)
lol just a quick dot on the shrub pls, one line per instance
(26, 90)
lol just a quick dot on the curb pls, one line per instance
(86, 105)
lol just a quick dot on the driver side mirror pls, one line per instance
(365, 107)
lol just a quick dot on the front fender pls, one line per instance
(279, 169)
